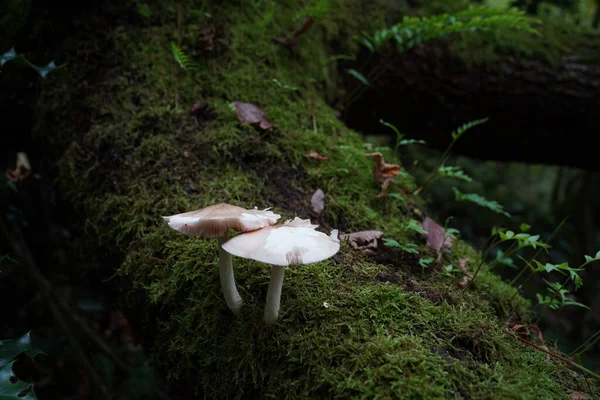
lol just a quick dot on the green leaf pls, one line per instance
(9, 349)
(416, 226)
(10, 388)
(9, 55)
(424, 262)
(405, 142)
(45, 70)
(408, 247)
(524, 227)
(358, 76)
(182, 59)
(454, 172)
(481, 201)
(465, 127)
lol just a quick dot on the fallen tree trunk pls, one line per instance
(538, 112)
(354, 326)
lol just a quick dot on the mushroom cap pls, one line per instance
(294, 242)
(215, 220)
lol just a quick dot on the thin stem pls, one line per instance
(563, 359)
(232, 297)
(274, 294)
(483, 257)
(586, 345)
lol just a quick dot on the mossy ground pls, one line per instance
(388, 330)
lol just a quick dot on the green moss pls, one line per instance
(353, 327)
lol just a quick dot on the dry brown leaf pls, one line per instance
(22, 169)
(293, 41)
(316, 156)
(365, 241)
(384, 173)
(207, 38)
(317, 201)
(575, 395)
(251, 114)
(464, 280)
(436, 237)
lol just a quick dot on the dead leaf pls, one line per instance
(464, 281)
(578, 395)
(293, 40)
(22, 169)
(436, 237)
(316, 156)
(251, 114)
(384, 173)
(365, 241)
(317, 201)
(537, 331)
(207, 38)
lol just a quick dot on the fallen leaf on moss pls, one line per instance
(251, 114)
(364, 241)
(207, 38)
(22, 169)
(436, 237)
(293, 40)
(384, 173)
(316, 156)
(317, 201)
(464, 281)
(578, 395)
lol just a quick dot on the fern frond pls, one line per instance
(415, 30)
(480, 201)
(182, 59)
(465, 127)
(454, 172)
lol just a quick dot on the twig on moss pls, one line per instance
(561, 358)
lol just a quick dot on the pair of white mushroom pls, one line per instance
(294, 242)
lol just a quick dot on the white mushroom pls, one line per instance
(294, 242)
(214, 221)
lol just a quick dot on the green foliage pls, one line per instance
(466, 126)
(9, 349)
(360, 77)
(454, 172)
(184, 61)
(558, 297)
(43, 70)
(12, 388)
(480, 201)
(415, 30)
(406, 247)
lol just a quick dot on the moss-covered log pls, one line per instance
(354, 326)
(540, 97)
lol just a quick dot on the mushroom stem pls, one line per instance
(274, 294)
(232, 297)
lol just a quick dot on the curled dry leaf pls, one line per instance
(317, 201)
(436, 237)
(464, 280)
(22, 169)
(316, 156)
(251, 114)
(365, 241)
(384, 173)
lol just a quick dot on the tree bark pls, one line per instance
(538, 113)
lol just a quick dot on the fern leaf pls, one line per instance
(182, 59)
(480, 201)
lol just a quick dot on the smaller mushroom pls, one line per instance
(214, 221)
(294, 242)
